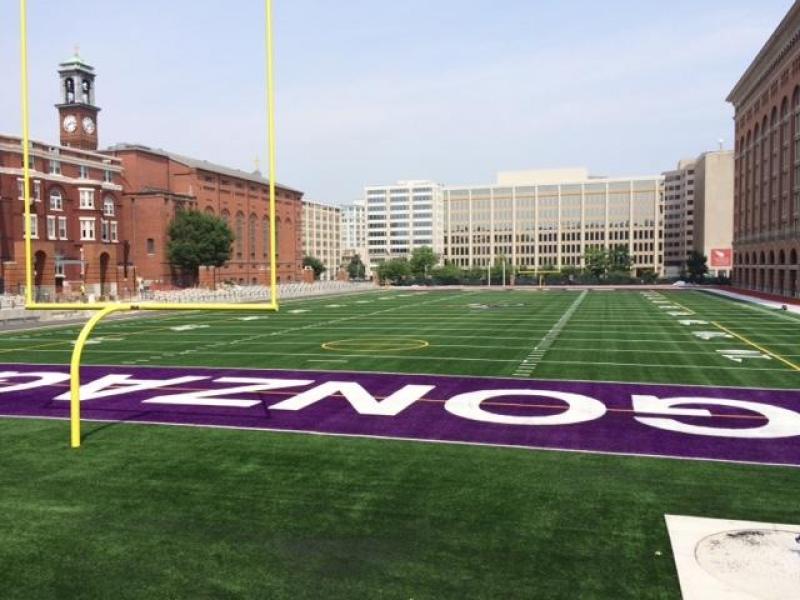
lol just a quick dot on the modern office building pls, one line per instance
(543, 220)
(766, 220)
(322, 236)
(401, 217)
(698, 213)
(354, 231)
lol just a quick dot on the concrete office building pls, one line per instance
(322, 236)
(401, 217)
(698, 213)
(354, 231)
(766, 221)
(542, 220)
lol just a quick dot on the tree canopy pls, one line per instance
(197, 239)
(422, 261)
(356, 268)
(315, 264)
(394, 270)
(697, 266)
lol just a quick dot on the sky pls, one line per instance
(374, 91)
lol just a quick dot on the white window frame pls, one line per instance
(37, 191)
(55, 167)
(84, 221)
(51, 227)
(105, 231)
(108, 206)
(114, 231)
(63, 234)
(20, 188)
(83, 172)
(34, 227)
(57, 206)
(108, 176)
(82, 203)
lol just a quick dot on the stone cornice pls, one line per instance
(780, 44)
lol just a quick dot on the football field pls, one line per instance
(509, 502)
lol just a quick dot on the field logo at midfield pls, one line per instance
(744, 424)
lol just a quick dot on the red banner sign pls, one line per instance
(721, 257)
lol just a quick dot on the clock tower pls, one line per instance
(77, 113)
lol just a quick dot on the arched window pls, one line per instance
(209, 210)
(108, 205)
(56, 199)
(86, 88)
(265, 235)
(239, 234)
(252, 225)
(69, 90)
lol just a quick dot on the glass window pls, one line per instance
(151, 246)
(62, 228)
(87, 228)
(83, 172)
(56, 200)
(51, 227)
(86, 198)
(108, 206)
(34, 227)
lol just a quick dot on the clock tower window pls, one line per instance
(69, 90)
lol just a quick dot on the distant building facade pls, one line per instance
(698, 213)
(766, 220)
(158, 183)
(542, 220)
(322, 236)
(401, 217)
(354, 231)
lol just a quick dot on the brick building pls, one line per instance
(766, 224)
(157, 183)
(99, 218)
(75, 208)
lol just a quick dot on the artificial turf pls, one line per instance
(154, 511)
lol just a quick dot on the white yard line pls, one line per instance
(528, 365)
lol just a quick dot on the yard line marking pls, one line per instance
(529, 364)
(761, 348)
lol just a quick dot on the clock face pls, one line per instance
(88, 125)
(70, 123)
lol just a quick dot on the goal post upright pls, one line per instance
(107, 308)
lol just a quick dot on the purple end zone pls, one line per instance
(604, 418)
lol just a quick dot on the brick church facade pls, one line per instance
(99, 218)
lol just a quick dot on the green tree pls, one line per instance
(619, 260)
(315, 264)
(197, 239)
(394, 271)
(423, 259)
(448, 274)
(596, 261)
(697, 266)
(356, 268)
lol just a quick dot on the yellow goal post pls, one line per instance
(105, 308)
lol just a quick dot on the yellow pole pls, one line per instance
(273, 238)
(26, 176)
(75, 372)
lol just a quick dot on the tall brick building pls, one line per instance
(75, 209)
(766, 223)
(99, 218)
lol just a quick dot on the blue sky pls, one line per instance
(370, 91)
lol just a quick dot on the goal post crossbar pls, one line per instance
(107, 308)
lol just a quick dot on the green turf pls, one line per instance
(167, 512)
(611, 336)
(159, 512)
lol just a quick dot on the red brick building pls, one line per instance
(75, 208)
(766, 239)
(99, 219)
(157, 183)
